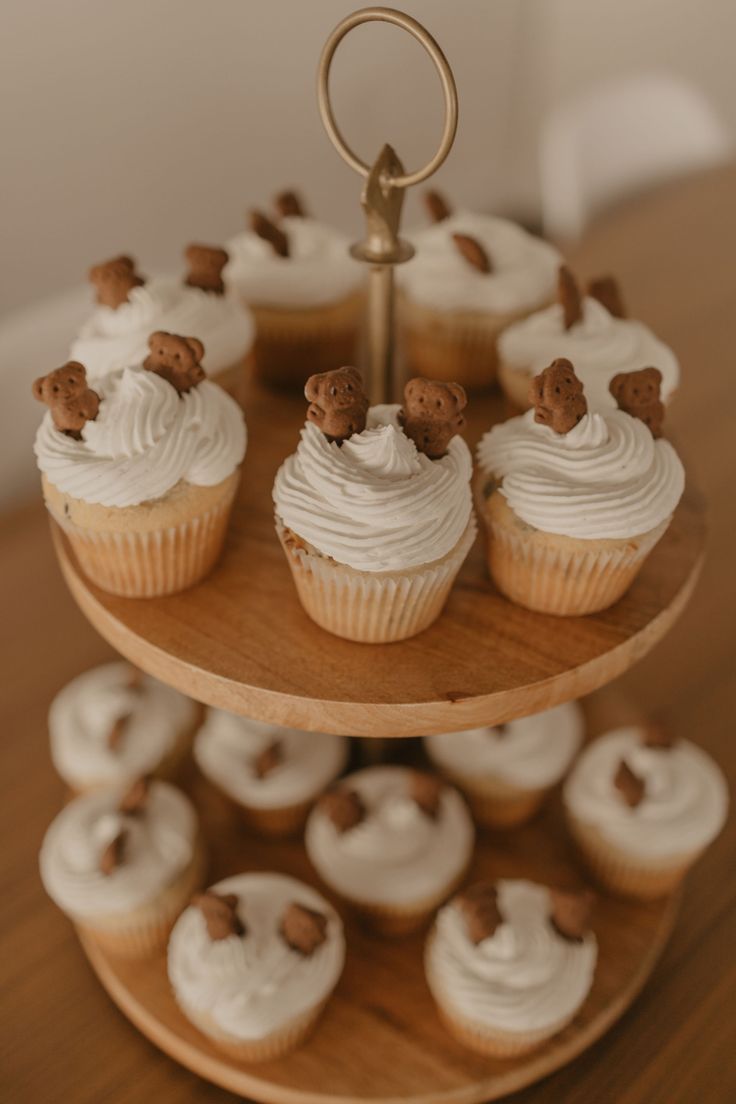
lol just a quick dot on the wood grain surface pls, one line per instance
(64, 1040)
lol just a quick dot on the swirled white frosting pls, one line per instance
(531, 752)
(114, 338)
(523, 978)
(397, 855)
(599, 345)
(226, 745)
(607, 477)
(146, 439)
(159, 846)
(254, 984)
(685, 798)
(319, 269)
(84, 712)
(523, 276)
(375, 502)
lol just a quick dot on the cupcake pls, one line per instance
(270, 774)
(471, 277)
(113, 724)
(141, 472)
(505, 772)
(374, 509)
(509, 965)
(642, 807)
(122, 864)
(393, 843)
(574, 501)
(594, 333)
(304, 290)
(129, 309)
(253, 961)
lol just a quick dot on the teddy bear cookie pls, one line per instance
(289, 205)
(432, 414)
(71, 401)
(557, 396)
(176, 359)
(206, 263)
(261, 225)
(337, 403)
(637, 393)
(113, 281)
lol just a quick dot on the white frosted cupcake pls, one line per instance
(305, 292)
(113, 724)
(122, 864)
(573, 501)
(271, 774)
(596, 336)
(506, 771)
(642, 809)
(509, 965)
(144, 487)
(393, 843)
(127, 313)
(253, 962)
(471, 277)
(374, 530)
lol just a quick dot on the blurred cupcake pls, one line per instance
(122, 864)
(574, 502)
(271, 774)
(505, 772)
(253, 961)
(642, 808)
(374, 509)
(509, 965)
(304, 289)
(393, 843)
(113, 724)
(129, 309)
(141, 473)
(472, 276)
(594, 333)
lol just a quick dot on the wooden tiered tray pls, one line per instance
(241, 640)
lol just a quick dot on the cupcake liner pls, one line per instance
(494, 802)
(284, 820)
(560, 575)
(514, 382)
(372, 607)
(292, 344)
(234, 379)
(395, 921)
(624, 874)
(144, 931)
(267, 1049)
(153, 562)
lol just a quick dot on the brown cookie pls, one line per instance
(206, 263)
(479, 907)
(557, 396)
(176, 359)
(473, 252)
(606, 290)
(220, 911)
(117, 731)
(289, 205)
(568, 296)
(432, 414)
(426, 791)
(264, 228)
(656, 736)
(303, 929)
(113, 855)
(71, 402)
(113, 281)
(437, 206)
(631, 787)
(570, 913)
(637, 393)
(134, 800)
(337, 403)
(267, 760)
(343, 806)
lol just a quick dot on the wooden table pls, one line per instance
(63, 1040)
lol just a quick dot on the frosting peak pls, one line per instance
(384, 451)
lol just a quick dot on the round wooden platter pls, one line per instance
(380, 1038)
(241, 641)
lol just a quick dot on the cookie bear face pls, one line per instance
(557, 397)
(220, 911)
(206, 263)
(176, 359)
(337, 402)
(71, 401)
(113, 281)
(432, 414)
(637, 393)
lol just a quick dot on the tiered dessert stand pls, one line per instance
(241, 641)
